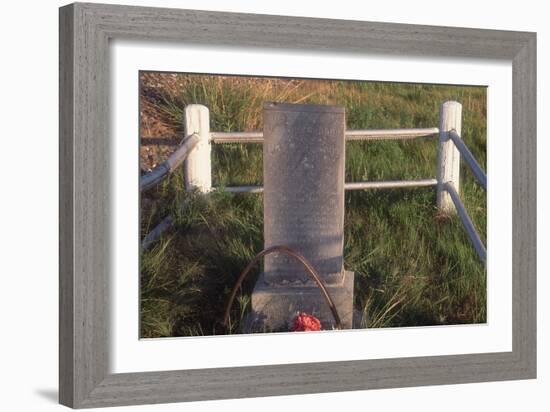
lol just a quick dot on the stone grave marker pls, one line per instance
(304, 159)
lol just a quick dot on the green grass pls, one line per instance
(412, 266)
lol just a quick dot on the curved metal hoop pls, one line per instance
(310, 270)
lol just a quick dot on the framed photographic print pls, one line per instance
(257, 205)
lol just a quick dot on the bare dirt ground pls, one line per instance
(158, 138)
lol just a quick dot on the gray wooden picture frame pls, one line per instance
(85, 31)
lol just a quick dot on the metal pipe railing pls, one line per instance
(367, 134)
(467, 222)
(447, 181)
(159, 173)
(390, 134)
(243, 189)
(389, 184)
(478, 172)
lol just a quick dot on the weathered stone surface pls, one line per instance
(274, 307)
(304, 156)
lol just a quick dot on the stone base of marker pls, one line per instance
(274, 307)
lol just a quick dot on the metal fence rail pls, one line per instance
(160, 172)
(478, 172)
(468, 224)
(243, 189)
(389, 184)
(367, 134)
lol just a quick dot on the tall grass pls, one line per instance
(412, 266)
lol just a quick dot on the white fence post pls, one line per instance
(198, 165)
(448, 162)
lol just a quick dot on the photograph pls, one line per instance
(273, 204)
(279, 202)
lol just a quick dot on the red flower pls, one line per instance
(304, 322)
